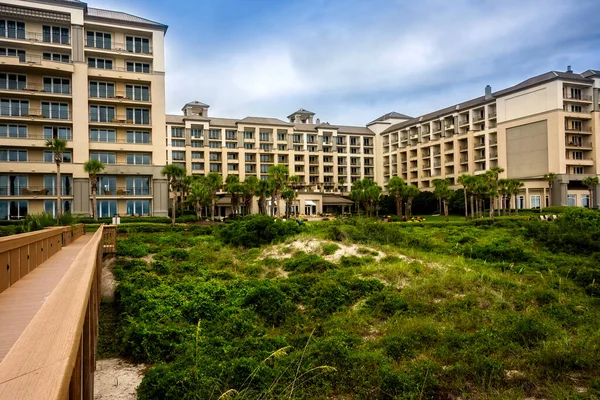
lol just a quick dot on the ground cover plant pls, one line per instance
(505, 309)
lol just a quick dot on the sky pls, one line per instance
(351, 61)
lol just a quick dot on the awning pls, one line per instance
(224, 201)
(310, 203)
(336, 201)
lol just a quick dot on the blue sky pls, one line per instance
(351, 61)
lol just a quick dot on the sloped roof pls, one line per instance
(390, 115)
(179, 119)
(263, 121)
(305, 127)
(302, 111)
(226, 122)
(121, 17)
(336, 200)
(536, 80)
(196, 103)
(358, 130)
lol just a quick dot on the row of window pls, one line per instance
(139, 116)
(130, 66)
(106, 90)
(50, 34)
(20, 108)
(110, 136)
(103, 40)
(131, 158)
(17, 185)
(18, 209)
(19, 82)
(14, 155)
(64, 133)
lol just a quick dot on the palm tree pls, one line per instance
(200, 195)
(184, 187)
(481, 189)
(93, 168)
(550, 177)
(590, 182)
(214, 181)
(503, 189)
(341, 187)
(234, 188)
(372, 195)
(248, 190)
(442, 191)
(395, 187)
(515, 189)
(263, 190)
(493, 175)
(294, 183)
(465, 181)
(289, 195)
(173, 173)
(410, 192)
(279, 174)
(58, 147)
(357, 194)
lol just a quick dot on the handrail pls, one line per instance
(54, 358)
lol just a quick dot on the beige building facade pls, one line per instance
(94, 78)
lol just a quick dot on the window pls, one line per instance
(249, 146)
(297, 148)
(312, 149)
(232, 167)
(57, 85)
(197, 155)
(137, 44)
(138, 159)
(139, 207)
(520, 202)
(230, 135)
(264, 168)
(55, 110)
(100, 63)
(178, 155)
(578, 170)
(176, 132)
(282, 147)
(51, 132)
(138, 115)
(13, 155)
(55, 34)
(138, 137)
(215, 167)
(248, 135)
(297, 138)
(65, 58)
(196, 133)
(103, 157)
(249, 168)
(13, 53)
(214, 134)
(264, 136)
(180, 165)
(572, 200)
(138, 93)
(12, 29)
(534, 201)
(576, 109)
(265, 146)
(197, 166)
(214, 156)
(66, 157)
(577, 155)
(12, 185)
(66, 185)
(102, 113)
(214, 145)
(138, 67)
(13, 209)
(585, 200)
(231, 145)
(281, 136)
(232, 156)
(137, 186)
(99, 40)
(249, 158)
(265, 158)
(50, 207)
(197, 143)
(106, 208)
(12, 81)
(102, 90)
(14, 108)
(13, 131)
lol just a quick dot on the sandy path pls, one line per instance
(116, 379)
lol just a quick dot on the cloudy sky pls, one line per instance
(350, 61)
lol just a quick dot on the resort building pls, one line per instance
(94, 78)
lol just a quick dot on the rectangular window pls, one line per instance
(12, 29)
(248, 135)
(103, 135)
(100, 63)
(50, 207)
(534, 201)
(13, 131)
(137, 92)
(249, 146)
(232, 167)
(578, 170)
(177, 143)
(55, 34)
(133, 66)
(138, 159)
(178, 155)
(197, 155)
(231, 145)
(14, 108)
(585, 200)
(572, 200)
(12, 81)
(197, 166)
(137, 186)
(106, 208)
(249, 158)
(99, 40)
(57, 85)
(264, 168)
(66, 157)
(138, 207)
(102, 113)
(215, 167)
(230, 135)
(13, 155)
(264, 136)
(13, 210)
(214, 134)
(197, 143)
(176, 132)
(58, 57)
(138, 116)
(138, 137)
(196, 133)
(214, 156)
(55, 110)
(282, 147)
(265, 146)
(13, 185)
(66, 185)
(57, 132)
(577, 155)
(104, 158)
(137, 44)
(102, 90)
(214, 145)
(13, 53)
(281, 136)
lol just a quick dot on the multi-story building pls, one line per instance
(94, 78)
(548, 123)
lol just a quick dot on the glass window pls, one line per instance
(138, 207)
(12, 29)
(135, 92)
(13, 131)
(66, 185)
(178, 155)
(55, 110)
(137, 186)
(50, 207)
(102, 113)
(177, 143)
(248, 145)
(572, 200)
(12, 210)
(106, 208)
(13, 155)
(14, 108)
(100, 63)
(138, 137)
(177, 132)
(534, 201)
(248, 135)
(138, 116)
(55, 34)
(100, 40)
(102, 89)
(196, 133)
(105, 158)
(231, 145)
(103, 135)
(585, 200)
(138, 67)
(13, 81)
(49, 157)
(138, 158)
(197, 155)
(197, 143)
(137, 44)
(214, 145)
(52, 132)
(197, 166)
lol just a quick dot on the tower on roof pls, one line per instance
(301, 116)
(195, 108)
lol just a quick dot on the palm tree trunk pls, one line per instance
(398, 206)
(472, 207)
(213, 206)
(409, 207)
(173, 209)
(466, 204)
(58, 193)
(549, 195)
(516, 206)
(491, 206)
(94, 203)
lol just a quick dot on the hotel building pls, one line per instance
(94, 78)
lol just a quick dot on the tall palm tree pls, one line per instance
(249, 188)
(58, 147)
(372, 195)
(234, 188)
(184, 186)
(279, 174)
(410, 192)
(493, 175)
(465, 181)
(214, 181)
(200, 195)
(173, 173)
(263, 190)
(481, 190)
(550, 177)
(93, 168)
(503, 189)
(442, 192)
(294, 183)
(395, 187)
(288, 194)
(591, 182)
(515, 188)
(357, 194)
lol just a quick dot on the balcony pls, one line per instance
(124, 191)
(115, 47)
(579, 98)
(119, 120)
(38, 38)
(44, 90)
(578, 145)
(492, 114)
(463, 122)
(121, 97)
(34, 114)
(478, 118)
(33, 191)
(479, 145)
(578, 129)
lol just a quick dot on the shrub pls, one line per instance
(186, 219)
(173, 254)
(330, 248)
(307, 263)
(9, 230)
(386, 303)
(130, 248)
(256, 230)
(268, 301)
(148, 227)
(35, 222)
(201, 230)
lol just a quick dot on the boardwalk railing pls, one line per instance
(21, 254)
(109, 239)
(55, 356)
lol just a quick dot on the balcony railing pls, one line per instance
(120, 141)
(37, 87)
(123, 191)
(120, 47)
(125, 69)
(579, 97)
(587, 129)
(492, 114)
(119, 119)
(26, 112)
(34, 191)
(38, 37)
(121, 95)
(29, 136)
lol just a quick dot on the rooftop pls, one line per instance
(101, 14)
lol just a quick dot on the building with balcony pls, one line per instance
(94, 78)
(548, 123)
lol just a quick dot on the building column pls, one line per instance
(596, 197)
(561, 199)
(81, 197)
(160, 198)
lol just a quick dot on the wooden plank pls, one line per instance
(24, 264)
(76, 385)
(4, 272)
(13, 241)
(14, 260)
(33, 256)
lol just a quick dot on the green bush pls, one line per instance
(201, 230)
(35, 222)
(270, 302)
(186, 219)
(131, 248)
(307, 263)
(330, 248)
(173, 254)
(147, 227)
(10, 230)
(256, 230)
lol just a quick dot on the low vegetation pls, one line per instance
(502, 309)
